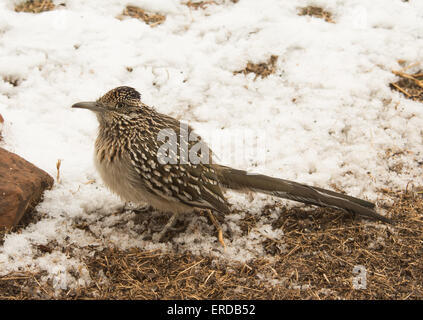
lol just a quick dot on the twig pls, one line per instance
(408, 76)
(401, 89)
(59, 162)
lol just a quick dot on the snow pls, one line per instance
(326, 117)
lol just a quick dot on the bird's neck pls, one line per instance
(112, 140)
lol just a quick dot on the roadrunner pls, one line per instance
(132, 162)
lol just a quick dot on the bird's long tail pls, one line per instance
(239, 180)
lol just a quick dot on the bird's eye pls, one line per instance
(119, 105)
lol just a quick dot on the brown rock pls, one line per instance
(21, 187)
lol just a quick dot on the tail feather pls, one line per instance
(240, 180)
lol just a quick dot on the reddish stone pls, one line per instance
(21, 187)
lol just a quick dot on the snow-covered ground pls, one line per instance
(326, 117)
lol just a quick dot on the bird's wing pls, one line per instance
(171, 173)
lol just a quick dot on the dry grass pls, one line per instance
(152, 19)
(22, 286)
(316, 12)
(411, 85)
(262, 69)
(204, 4)
(314, 260)
(35, 6)
(12, 80)
(199, 4)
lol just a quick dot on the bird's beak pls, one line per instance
(90, 105)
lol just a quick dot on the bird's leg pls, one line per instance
(218, 228)
(143, 209)
(123, 209)
(159, 236)
(127, 206)
(221, 219)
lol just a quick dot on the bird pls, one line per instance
(141, 156)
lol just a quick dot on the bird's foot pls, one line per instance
(143, 209)
(158, 237)
(218, 228)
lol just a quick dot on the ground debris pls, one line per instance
(199, 4)
(316, 12)
(152, 19)
(35, 6)
(409, 84)
(262, 69)
(315, 259)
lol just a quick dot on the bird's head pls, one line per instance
(118, 101)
